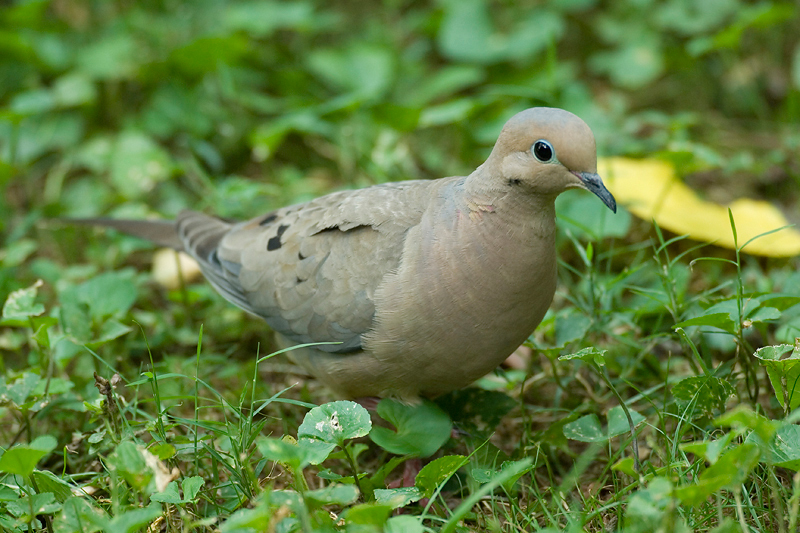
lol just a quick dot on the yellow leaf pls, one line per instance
(651, 191)
(166, 265)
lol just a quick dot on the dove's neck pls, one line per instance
(508, 205)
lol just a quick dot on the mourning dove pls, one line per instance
(420, 287)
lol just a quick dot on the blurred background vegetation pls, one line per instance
(244, 106)
(143, 108)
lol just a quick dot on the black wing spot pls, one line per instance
(337, 228)
(299, 281)
(268, 219)
(213, 258)
(275, 242)
(300, 256)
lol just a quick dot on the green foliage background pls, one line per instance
(247, 105)
(138, 108)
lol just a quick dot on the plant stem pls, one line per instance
(634, 440)
(354, 468)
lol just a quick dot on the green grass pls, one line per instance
(125, 406)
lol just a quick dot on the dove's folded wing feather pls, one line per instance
(310, 270)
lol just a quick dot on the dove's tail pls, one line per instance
(160, 232)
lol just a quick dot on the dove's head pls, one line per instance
(547, 151)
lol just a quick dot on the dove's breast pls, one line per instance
(472, 285)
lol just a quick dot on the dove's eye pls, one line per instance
(543, 151)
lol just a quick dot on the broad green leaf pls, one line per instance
(330, 425)
(29, 507)
(137, 164)
(502, 477)
(585, 429)
(715, 320)
(631, 65)
(444, 82)
(73, 90)
(516, 469)
(48, 482)
(476, 411)
(209, 53)
(75, 317)
(367, 70)
(17, 252)
(110, 330)
(129, 462)
(191, 487)
(618, 422)
(482, 474)
(404, 524)
(34, 102)
(397, 498)
(780, 301)
(466, 33)
(764, 314)
(333, 495)
(108, 58)
(168, 495)
(420, 429)
(51, 131)
(42, 333)
(367, 514)
(702, 395)
(266, 139)
(400, 118)
(571, 327)
(21, 305)
(20, 391)
(294, 455)
(651, 507)
(163, 451)
(262, 19)
(249, 520)
(437, 472)
(449, 112)
(134, 520)
(785, 448)
(107, 294)
(96, 153)
(709, 450)
(756, 15)
(742, 417)
(22, 459)
(732, 469)
(487, 475)
(626, 465)
(78, 516)
(288, 498)
(172, 110)
(783, 372)
(694, 18)
(590, 355)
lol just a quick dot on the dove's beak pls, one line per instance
(594, 183)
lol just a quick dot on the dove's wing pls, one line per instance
(310, 270)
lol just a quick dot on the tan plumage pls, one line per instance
(425, 285)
